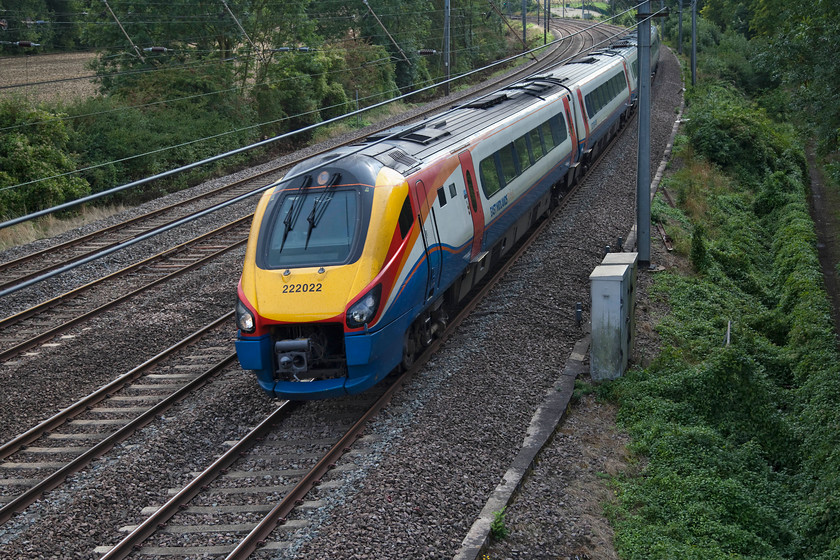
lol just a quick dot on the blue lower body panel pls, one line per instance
(370, 357)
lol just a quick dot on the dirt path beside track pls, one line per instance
(824, 205)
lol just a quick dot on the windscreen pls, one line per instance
(311, 228)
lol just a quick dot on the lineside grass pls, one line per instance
(740, 441)
(50, 226)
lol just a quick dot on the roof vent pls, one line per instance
(425, 135)
(487, 102)
(399, 156)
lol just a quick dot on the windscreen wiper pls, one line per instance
(292, 216)
(317, 213)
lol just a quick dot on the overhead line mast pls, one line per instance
(643, 161)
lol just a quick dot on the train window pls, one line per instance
(442, 197)
(603, 96)
(323, 235)
(590, 104)
(596, 103)
(406, 218)
(452, 190)
(522, 153)
(471, 190)
(536, 144)
(558, 129)
(508, 160)
(489, 176)
(548, 139)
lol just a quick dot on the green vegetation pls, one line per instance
(738, 444)
(498, 528)
(181, 82)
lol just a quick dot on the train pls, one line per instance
(356, 257)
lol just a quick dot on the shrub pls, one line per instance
(34, 154)
(741, 442)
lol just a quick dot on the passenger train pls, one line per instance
(356, 256)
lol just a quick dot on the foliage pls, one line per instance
(698, 248)
(729, 15)
(708, 34)
(35, 144)
(711, 419)
(498, 529)
(732, 60)
(789, 43)
(39, 21)
(730, 132)
(369, 73)
(201, 119)
(740, 440)
(292, 91)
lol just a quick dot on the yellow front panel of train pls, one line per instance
(310, 294)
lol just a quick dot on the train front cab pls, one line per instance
(312, 327)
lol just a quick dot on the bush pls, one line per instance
(741, 442)
(698, 249)
(34, 150)
(201, 118)
(734, 134)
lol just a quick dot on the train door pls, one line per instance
(431, 238)
(572, 127)
(574, 163)
(476, 211)
(584, 142)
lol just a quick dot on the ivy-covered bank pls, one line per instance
(738, 444)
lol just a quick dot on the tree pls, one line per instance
(46, 22)
(35, 153)
(803, 40)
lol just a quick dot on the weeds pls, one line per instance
(498, 529)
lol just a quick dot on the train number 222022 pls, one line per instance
(301, 288)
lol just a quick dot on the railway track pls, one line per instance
(30, 266)
(43, 322)
(41, 458)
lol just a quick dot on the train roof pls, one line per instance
(406, 147)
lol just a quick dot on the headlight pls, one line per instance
(244, 318)
(363, 311)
